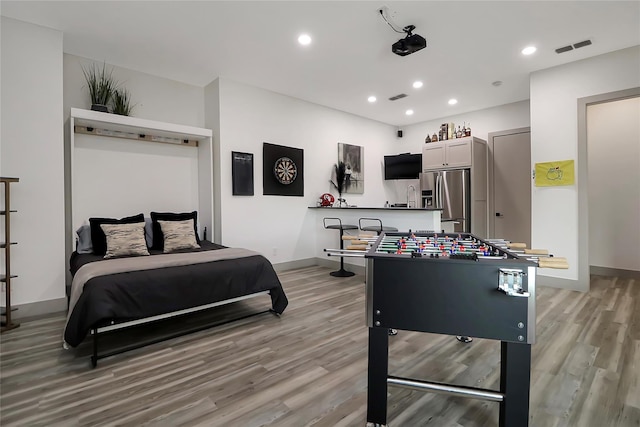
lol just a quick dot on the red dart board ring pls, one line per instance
(285, 170)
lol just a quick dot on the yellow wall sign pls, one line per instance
(550, 174)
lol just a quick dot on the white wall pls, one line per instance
(554, 136)
(119, 177)
(32, 150)
(154, 98)
(614, 183)
(250, 116)
(483, 122)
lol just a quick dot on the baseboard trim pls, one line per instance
(292, 265)
(614, 272)
(40, 308)
(555, 282)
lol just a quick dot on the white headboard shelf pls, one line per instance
(113, 177)
(113, 125)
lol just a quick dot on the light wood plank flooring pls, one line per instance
(308, 367)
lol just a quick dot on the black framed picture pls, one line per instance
(353, 158)
(283, 170)
(242, 173)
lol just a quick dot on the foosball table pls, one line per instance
(453, 284)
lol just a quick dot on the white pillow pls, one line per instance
(125, 239)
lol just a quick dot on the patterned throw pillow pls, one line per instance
(125, 239)
(178, 235)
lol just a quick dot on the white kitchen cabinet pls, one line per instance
(451, 154)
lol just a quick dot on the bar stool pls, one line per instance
(339, 226)
(374, 224)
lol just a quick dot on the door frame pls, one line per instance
(492, 205)
(584, 273)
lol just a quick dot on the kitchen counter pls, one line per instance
(391, 208)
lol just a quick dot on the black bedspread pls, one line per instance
(139, 294)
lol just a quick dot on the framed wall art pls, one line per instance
(242, 173)
(353, 158)
(283, 170)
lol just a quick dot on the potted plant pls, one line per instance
(338, 178)
(101, 86)
(121, 102)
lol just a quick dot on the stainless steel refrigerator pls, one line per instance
(450, 191)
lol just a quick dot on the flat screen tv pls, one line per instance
(402, 166)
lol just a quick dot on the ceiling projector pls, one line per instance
(411, 43)
(408, 45)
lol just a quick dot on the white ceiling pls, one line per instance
(470, 45)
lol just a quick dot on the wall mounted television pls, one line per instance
(402, 166)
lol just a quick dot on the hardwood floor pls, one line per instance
(308, 367)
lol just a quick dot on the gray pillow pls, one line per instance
(178, 235)
(148, 232)
(83, 242)
(125, 240)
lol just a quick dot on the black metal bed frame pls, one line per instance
(112, 327)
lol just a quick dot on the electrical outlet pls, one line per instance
(275, 251)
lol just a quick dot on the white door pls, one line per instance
(613, 169)
(511, 216)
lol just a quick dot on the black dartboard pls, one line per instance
(285, 170)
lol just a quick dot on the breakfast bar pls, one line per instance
(402, 218)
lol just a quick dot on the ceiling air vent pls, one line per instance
(564, 49)
(582, 44)
(399, 96)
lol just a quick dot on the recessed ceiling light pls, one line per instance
(528, 50)
(409, 112)
(304, 39)
(453, 101)
(417, 84)
(371, 98)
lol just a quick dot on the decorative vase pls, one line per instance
(99, 107)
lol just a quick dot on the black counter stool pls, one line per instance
(374, 224)
(336, 224)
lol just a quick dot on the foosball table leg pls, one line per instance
(515, 378)
(377, 373)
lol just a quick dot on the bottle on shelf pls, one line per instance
(459, 133)
(467, 131)
(434, 137)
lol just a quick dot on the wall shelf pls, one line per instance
(116, 126)
(7, 323)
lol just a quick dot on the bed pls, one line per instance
(116, 292)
